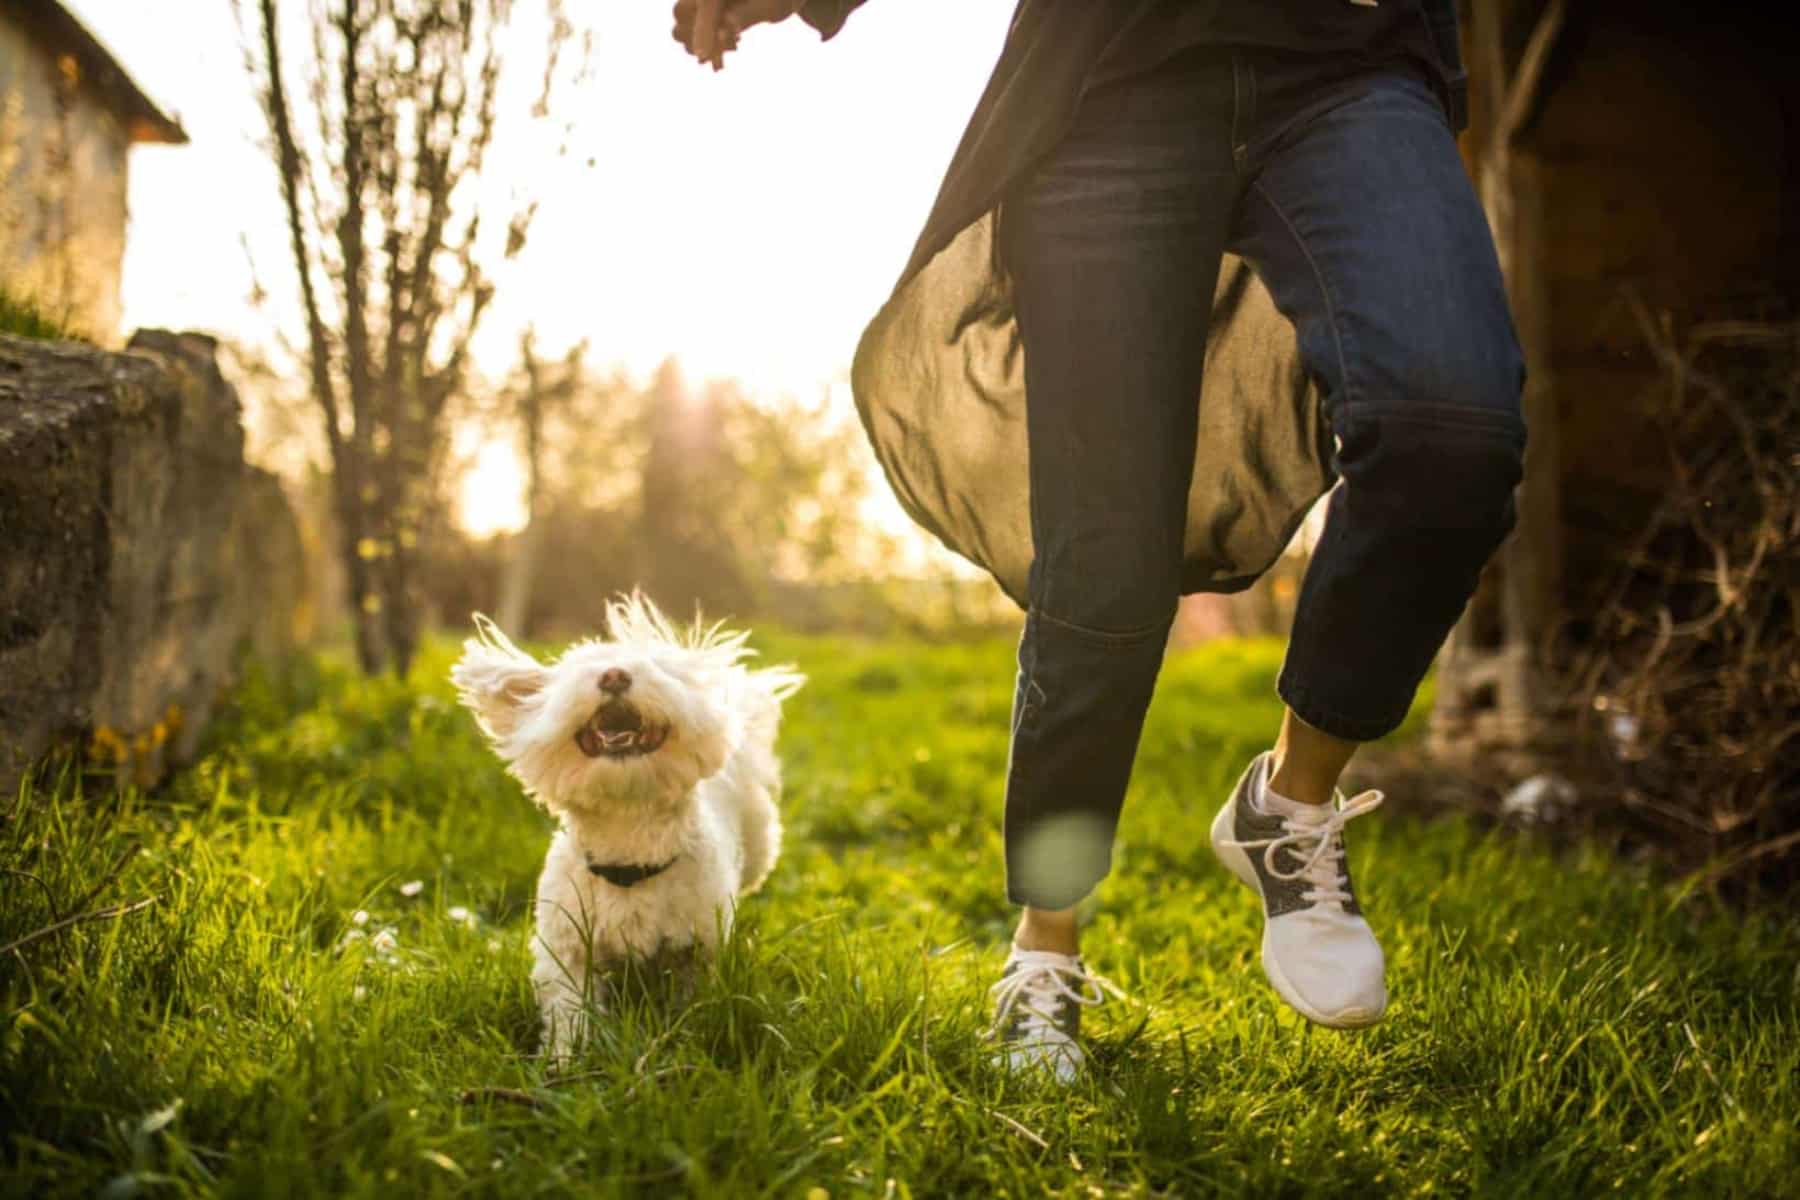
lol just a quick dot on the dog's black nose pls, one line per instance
(614, 681)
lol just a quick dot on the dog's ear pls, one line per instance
(496, 680)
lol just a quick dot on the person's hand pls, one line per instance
(710, 28)
(700, 28)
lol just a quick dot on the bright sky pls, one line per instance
(749, 221)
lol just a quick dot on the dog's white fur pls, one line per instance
(704, 798)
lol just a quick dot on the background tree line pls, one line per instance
(701, 494)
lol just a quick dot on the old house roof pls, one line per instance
(65, 38)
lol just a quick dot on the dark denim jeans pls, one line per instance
(1342, 187)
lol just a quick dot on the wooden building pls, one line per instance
(1640, 162)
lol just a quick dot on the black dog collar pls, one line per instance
(625, 874)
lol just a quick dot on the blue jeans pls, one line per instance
(1341, 186)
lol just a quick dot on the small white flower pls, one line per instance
(359, 992)
(461, 915)
(412, 887)
(385, 942)
(359, 918)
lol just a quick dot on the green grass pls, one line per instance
(1562, 1024)
(24, 318)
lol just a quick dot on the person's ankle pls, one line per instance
(1046, 930)
(1291, 785)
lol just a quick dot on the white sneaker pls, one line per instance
(1037, 1012)
(1317, 950)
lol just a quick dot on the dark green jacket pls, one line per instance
(939, 377)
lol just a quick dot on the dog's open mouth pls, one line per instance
(618, 730)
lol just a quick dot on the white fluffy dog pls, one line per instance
(656, 751)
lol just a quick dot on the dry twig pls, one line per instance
(1693, 657)
(112, 873)
(99, 914)
(476, 1095)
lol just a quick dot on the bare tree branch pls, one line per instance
(291, 167)
(1522, 90)
(405, 103)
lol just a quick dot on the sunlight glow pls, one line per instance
(491, 498)
(748, 222)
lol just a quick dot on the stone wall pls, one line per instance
(139, 553)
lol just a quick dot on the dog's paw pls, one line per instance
(565, 1031)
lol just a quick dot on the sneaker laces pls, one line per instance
(1039, 984)
(1318, 844)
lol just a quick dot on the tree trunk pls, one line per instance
(1493, 694)
(521, 566)
(406, 99)
(347, 467)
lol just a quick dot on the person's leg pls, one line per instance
(1363, 224)
(1052, 929)
(1113, 245)
(1307, 762)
